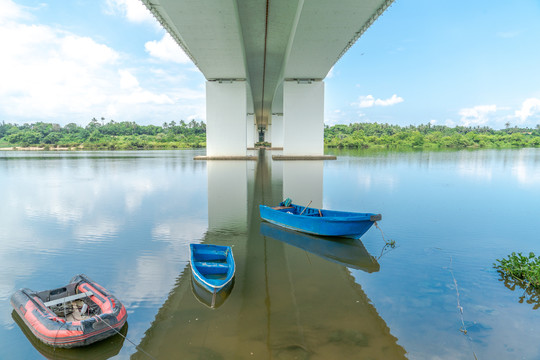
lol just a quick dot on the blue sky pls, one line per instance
(445, 62)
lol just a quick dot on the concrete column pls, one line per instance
(303, 118)
(251, 131)
(277, 130)
(226, 118)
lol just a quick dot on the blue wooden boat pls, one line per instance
(318, 221)
(213, 268)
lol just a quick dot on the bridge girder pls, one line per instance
(265, 42)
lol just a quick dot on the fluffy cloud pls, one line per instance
(132, 10)
(11, 11)
(476, 116)
(167, 49)
(370, 101)
(47, 71)
(49, 74)
(529, 108)
(128, 80)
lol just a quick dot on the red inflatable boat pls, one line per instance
(77, 314)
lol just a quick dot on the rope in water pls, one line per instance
(460, 308)
(125, 337)
(391, 243)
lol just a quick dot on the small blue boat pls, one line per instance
(318, 221)
(213, 269)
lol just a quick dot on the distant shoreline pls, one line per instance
(36, 148)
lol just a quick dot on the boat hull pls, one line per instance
(319, 222)
(55, 330)
(213, 270)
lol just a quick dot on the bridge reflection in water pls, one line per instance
(287, 302)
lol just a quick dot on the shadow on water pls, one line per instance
(101, 350)
(350, 253)
(285, 305)
(213, 301)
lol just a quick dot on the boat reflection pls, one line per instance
(347, 252)
(104, 349)
(212, 300)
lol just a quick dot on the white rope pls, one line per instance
(460, 308)
(125, 337)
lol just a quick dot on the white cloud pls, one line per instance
(128, 80)
(476, 116)
(85, 51)
(132, 10)
(450, 123)
(53, 75)
(530, 107)
(330, 73)
(10, 11)
(508, 34)
(370, 101)
(167, 49)
(47, 71)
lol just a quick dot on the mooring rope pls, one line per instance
(125, 337)
(460, 308)
(391, 243)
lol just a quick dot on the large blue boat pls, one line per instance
(213, 269)
(318, 221)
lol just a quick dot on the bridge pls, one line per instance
(265, 62)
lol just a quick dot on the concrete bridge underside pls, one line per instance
(265, 62)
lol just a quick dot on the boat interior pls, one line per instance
(211, 263)
(67, 303)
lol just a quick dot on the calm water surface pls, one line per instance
(126, 220)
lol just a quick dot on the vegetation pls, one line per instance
(523, 272)
(519, 267)
(105, 136)
(385, 136)
(98, 135)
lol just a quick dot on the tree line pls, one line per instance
(101, 135)
(111, 135)
(428, 136)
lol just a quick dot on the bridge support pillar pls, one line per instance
(251, 131)
(226, 131)
(303, 118)
(277, 130)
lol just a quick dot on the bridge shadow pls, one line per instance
(288, 301)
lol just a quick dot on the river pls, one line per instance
(126, 220)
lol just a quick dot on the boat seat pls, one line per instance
(211, 267)
(68, 298)
(203, 256)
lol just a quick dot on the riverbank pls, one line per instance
(37, 148)
(131, 136)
